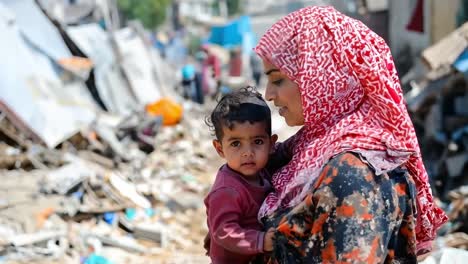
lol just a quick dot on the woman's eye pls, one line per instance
(259, 141)
(235, 144)
(278, 82)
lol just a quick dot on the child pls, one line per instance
(242, 124)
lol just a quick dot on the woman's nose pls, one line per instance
(270, 93)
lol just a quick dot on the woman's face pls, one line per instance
(285, 95)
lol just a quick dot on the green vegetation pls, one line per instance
(234, 7)
(151, 13)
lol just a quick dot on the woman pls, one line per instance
(356, 189)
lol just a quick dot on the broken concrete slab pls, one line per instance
(128, 190)
(39, 237)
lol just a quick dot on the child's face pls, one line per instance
(246, 147)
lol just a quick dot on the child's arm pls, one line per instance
(225, 213)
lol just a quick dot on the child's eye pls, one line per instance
(235, 144)
(259, 141)
(278, 82)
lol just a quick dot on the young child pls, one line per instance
(242, 124)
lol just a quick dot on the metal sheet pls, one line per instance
(37, 28)
(31, 89)
(138, 66)
(94, 42)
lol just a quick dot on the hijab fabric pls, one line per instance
(352, 101)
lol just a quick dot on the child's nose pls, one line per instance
(248, 152)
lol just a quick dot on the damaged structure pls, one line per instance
(88, 173)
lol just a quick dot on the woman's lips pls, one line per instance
(282, 110)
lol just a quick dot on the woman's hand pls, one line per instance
(206, 244)
(268, 240)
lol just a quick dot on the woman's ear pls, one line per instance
(219, 148)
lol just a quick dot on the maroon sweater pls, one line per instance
(232, 206)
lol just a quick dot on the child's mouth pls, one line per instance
(248, 164)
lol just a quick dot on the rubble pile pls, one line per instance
(102, 162)
(89, 198)
(437, 96)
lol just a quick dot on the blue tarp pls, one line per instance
(232, 34)
(461, 64)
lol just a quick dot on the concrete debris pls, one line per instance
(437, 99)
(155, 232)
(443, 132)
(88, 174)
(102, 161)
(78, 200)
(128, 190)
(67, 177)
(29, 239)
(121, 242)
(447, 256)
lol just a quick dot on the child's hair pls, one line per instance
(245, 104)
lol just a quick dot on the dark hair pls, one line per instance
(245, 104)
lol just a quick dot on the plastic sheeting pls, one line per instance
(233, 33)
(461, 64)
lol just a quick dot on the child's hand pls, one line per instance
(268, 240)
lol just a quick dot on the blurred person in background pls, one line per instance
(188, 81)
(235, 63)
(211, 72)
(256, 67)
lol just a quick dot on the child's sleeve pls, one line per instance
(225, 212)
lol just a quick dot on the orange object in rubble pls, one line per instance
(170, 111)
(43, 215)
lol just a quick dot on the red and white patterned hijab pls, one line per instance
(352, 101)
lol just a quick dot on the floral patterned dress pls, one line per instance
(350, 216)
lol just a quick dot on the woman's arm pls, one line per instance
(352, 215)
